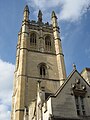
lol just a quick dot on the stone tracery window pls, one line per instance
(33, 39)
(48, 43)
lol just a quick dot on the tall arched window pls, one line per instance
(33, 39)
(48, 43)
(42, 70)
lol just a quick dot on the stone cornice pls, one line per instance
(38, 78)
(38, 51)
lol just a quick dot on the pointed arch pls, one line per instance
(33, 39)
(42, 70)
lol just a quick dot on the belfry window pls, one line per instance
(48, 43)
(33, 39)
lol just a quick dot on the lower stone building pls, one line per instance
(70, 102)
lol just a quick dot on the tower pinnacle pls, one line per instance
(58, 48)
(54, 20)
(26, 13)
(40, 16)
(54, 15)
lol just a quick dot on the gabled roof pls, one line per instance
(68, 78)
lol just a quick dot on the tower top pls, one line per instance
(40, 16)
(26, 8)
(54, 15)
(54, 20)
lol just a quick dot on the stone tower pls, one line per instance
(39, 57)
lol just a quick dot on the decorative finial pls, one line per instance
(54, 15)
(74, 66)
(40, 16)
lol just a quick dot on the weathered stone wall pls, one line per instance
(63, 104)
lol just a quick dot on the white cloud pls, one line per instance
(6, 80)
(73, 9)
(4, 112)
(43, 4)
(70, 10)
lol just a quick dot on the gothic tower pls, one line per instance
(39, 57)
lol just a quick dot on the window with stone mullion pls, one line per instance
(80, 105)
(77, 105)
(33, 39)
(48, 43)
